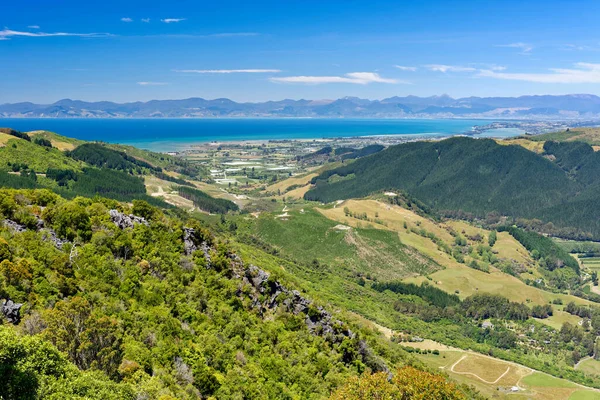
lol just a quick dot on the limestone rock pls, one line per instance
(13, 226)
(189, 246)
(49, 234)
(11, 310)
(125, 221)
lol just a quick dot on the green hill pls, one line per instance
(42, 159)
(479, 177)
(159, 308)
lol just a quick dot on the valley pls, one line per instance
(458, 293)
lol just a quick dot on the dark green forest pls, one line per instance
(206, 202)
(479, 176)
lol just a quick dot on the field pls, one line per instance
(455, 276)
(593, 263)
(501, 379)
(36, 157)
(588, 135)
(60, 142)
(590, 366)
(4, 138)
(304, 234)
(163, 189)
(536, 147)
(282, 186)
(559, 318)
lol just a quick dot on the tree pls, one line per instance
(408, 383)
(142, 209)
(492, 238)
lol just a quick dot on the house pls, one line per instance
(487, 325)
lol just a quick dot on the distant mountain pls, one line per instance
(575, 106)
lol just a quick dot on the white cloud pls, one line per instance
(7, 34)
(524, 47)
(152, 83)
(581, 73)
(146, 20)
(233, 34)
(449, 68)
(577, 47)
(404, 68)
(34, 27)
(360, 78)
(126, 19)
(228, 71)
(171, 20)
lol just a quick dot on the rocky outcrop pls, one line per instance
(14, 226)
(10, 310)
(317, 319)
(126, 220)
(191, 244)
(49, 234)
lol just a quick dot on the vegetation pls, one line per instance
(407, 384)
(15, 133)
(128, 311)
(365, 151)
(429, 293)
(100, 156)
(581, 134)
(477, 177)
(206, 202)
(544, 248)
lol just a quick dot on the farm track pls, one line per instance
(475, 375)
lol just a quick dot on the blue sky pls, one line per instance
(270, 50)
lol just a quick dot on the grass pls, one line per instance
(485, 368)
(323, 231)
(454, 276)
(36, 157)
(535, 146)
(60, 142)
(307, 235)
(294, 180)
(161, 188)
(4, 138)
(588, 135)
(472, 367)
(558, 318)
(539, 379)
(508, 247)
(589, 366)
(584, 395)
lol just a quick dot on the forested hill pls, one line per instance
(480, 176)
(108, 301)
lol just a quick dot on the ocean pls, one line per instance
(177, 134)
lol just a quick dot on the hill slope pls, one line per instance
(478, 177)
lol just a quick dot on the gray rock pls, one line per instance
(13, 226)
(189, 246)
(125, 221)
(11, 310)
(49, 234)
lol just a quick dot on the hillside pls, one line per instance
(157, 306)
(479, 177)
(579, 134)
(71, 167)
(278, 295)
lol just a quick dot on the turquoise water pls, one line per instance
(174, 134)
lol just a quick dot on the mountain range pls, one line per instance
(574, 106)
